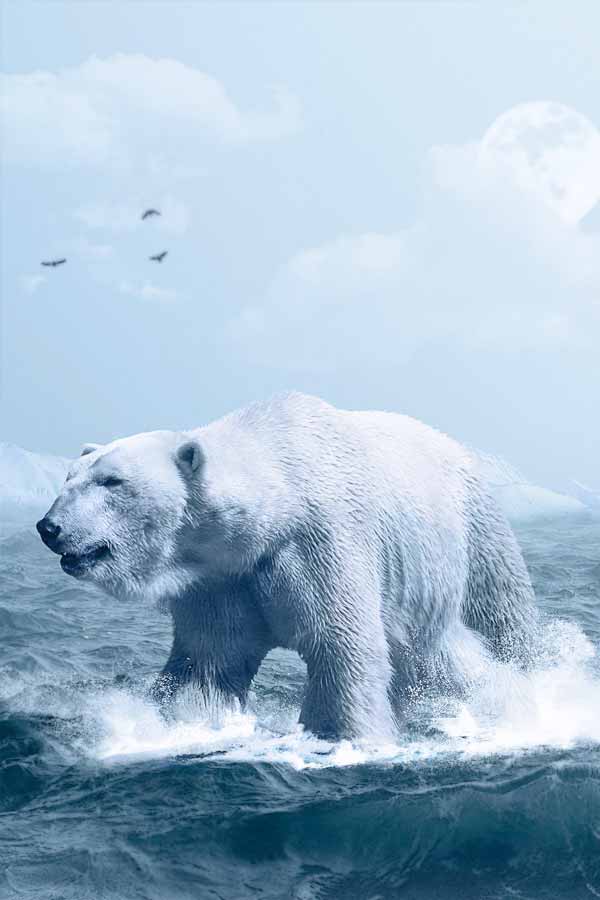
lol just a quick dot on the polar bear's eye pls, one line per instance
(110, 481)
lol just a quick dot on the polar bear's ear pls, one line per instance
(89, 448)
(190, 457)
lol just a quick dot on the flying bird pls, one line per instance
(150, 212)
(53, 262)
(158, 257)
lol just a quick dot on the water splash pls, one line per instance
(555, 705)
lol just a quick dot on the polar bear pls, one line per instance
(365, 541)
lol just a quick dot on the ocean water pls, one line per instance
(494, 796)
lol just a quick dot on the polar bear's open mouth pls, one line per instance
(79, 563)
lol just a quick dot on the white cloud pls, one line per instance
(30, 283)
(488, 265)
(126, 109)
(148, 291)
(90, 251)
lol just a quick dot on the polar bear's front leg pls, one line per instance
(175, 674)
(321, 600)
(347, 691)
(220, 674)
(219, 643)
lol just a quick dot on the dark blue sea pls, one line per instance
(493, 796)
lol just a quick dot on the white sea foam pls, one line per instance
(555, 705)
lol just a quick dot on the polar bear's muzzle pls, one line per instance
(78, 564)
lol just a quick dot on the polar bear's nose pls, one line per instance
(48, 531)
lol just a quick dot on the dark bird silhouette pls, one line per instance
(150, 212)
(158, 257)
(53, 262)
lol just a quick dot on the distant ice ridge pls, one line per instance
(587, 495)
(522, 500)
(29, 482)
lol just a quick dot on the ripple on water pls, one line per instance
(493, 796)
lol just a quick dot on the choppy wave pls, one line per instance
(495, 795)
(556, 705)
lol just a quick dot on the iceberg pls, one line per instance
(29, 482)
(588, 496)
(519, 498)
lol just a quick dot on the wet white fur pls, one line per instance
(363, 540)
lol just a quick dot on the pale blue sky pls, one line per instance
(316, 241)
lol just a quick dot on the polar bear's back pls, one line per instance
(359, 469)
(389, 457)
(423, 462)
(375, 500)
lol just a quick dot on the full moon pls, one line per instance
(550, 150)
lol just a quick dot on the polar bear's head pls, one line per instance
(118, 519)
